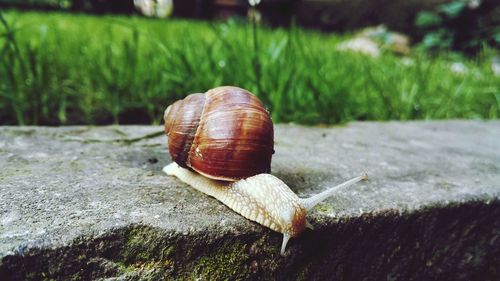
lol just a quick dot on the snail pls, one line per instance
(221, 143)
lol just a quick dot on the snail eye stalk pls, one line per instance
(314, 200)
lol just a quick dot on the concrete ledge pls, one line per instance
(92, 203)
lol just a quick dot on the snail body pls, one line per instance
(262, 198)
(247, 188)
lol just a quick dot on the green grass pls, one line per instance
(58, 68)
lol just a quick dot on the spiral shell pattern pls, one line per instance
(224, 134)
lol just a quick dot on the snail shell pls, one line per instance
(224, 134)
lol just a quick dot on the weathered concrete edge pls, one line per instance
(433, 241)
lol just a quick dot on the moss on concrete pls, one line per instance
(230, 261)
(369, 246)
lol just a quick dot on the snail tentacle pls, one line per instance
(286, 237)
(314, 200)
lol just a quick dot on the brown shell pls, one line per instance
(224, 134)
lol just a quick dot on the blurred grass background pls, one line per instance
(58, 68)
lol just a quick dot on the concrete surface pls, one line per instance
(92, 203)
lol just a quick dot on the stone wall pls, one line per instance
(87, 203)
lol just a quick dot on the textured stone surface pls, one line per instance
(92, 202)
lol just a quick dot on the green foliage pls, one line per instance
(428, 19)
(463, 25)
(64, 4)
(75, 69)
